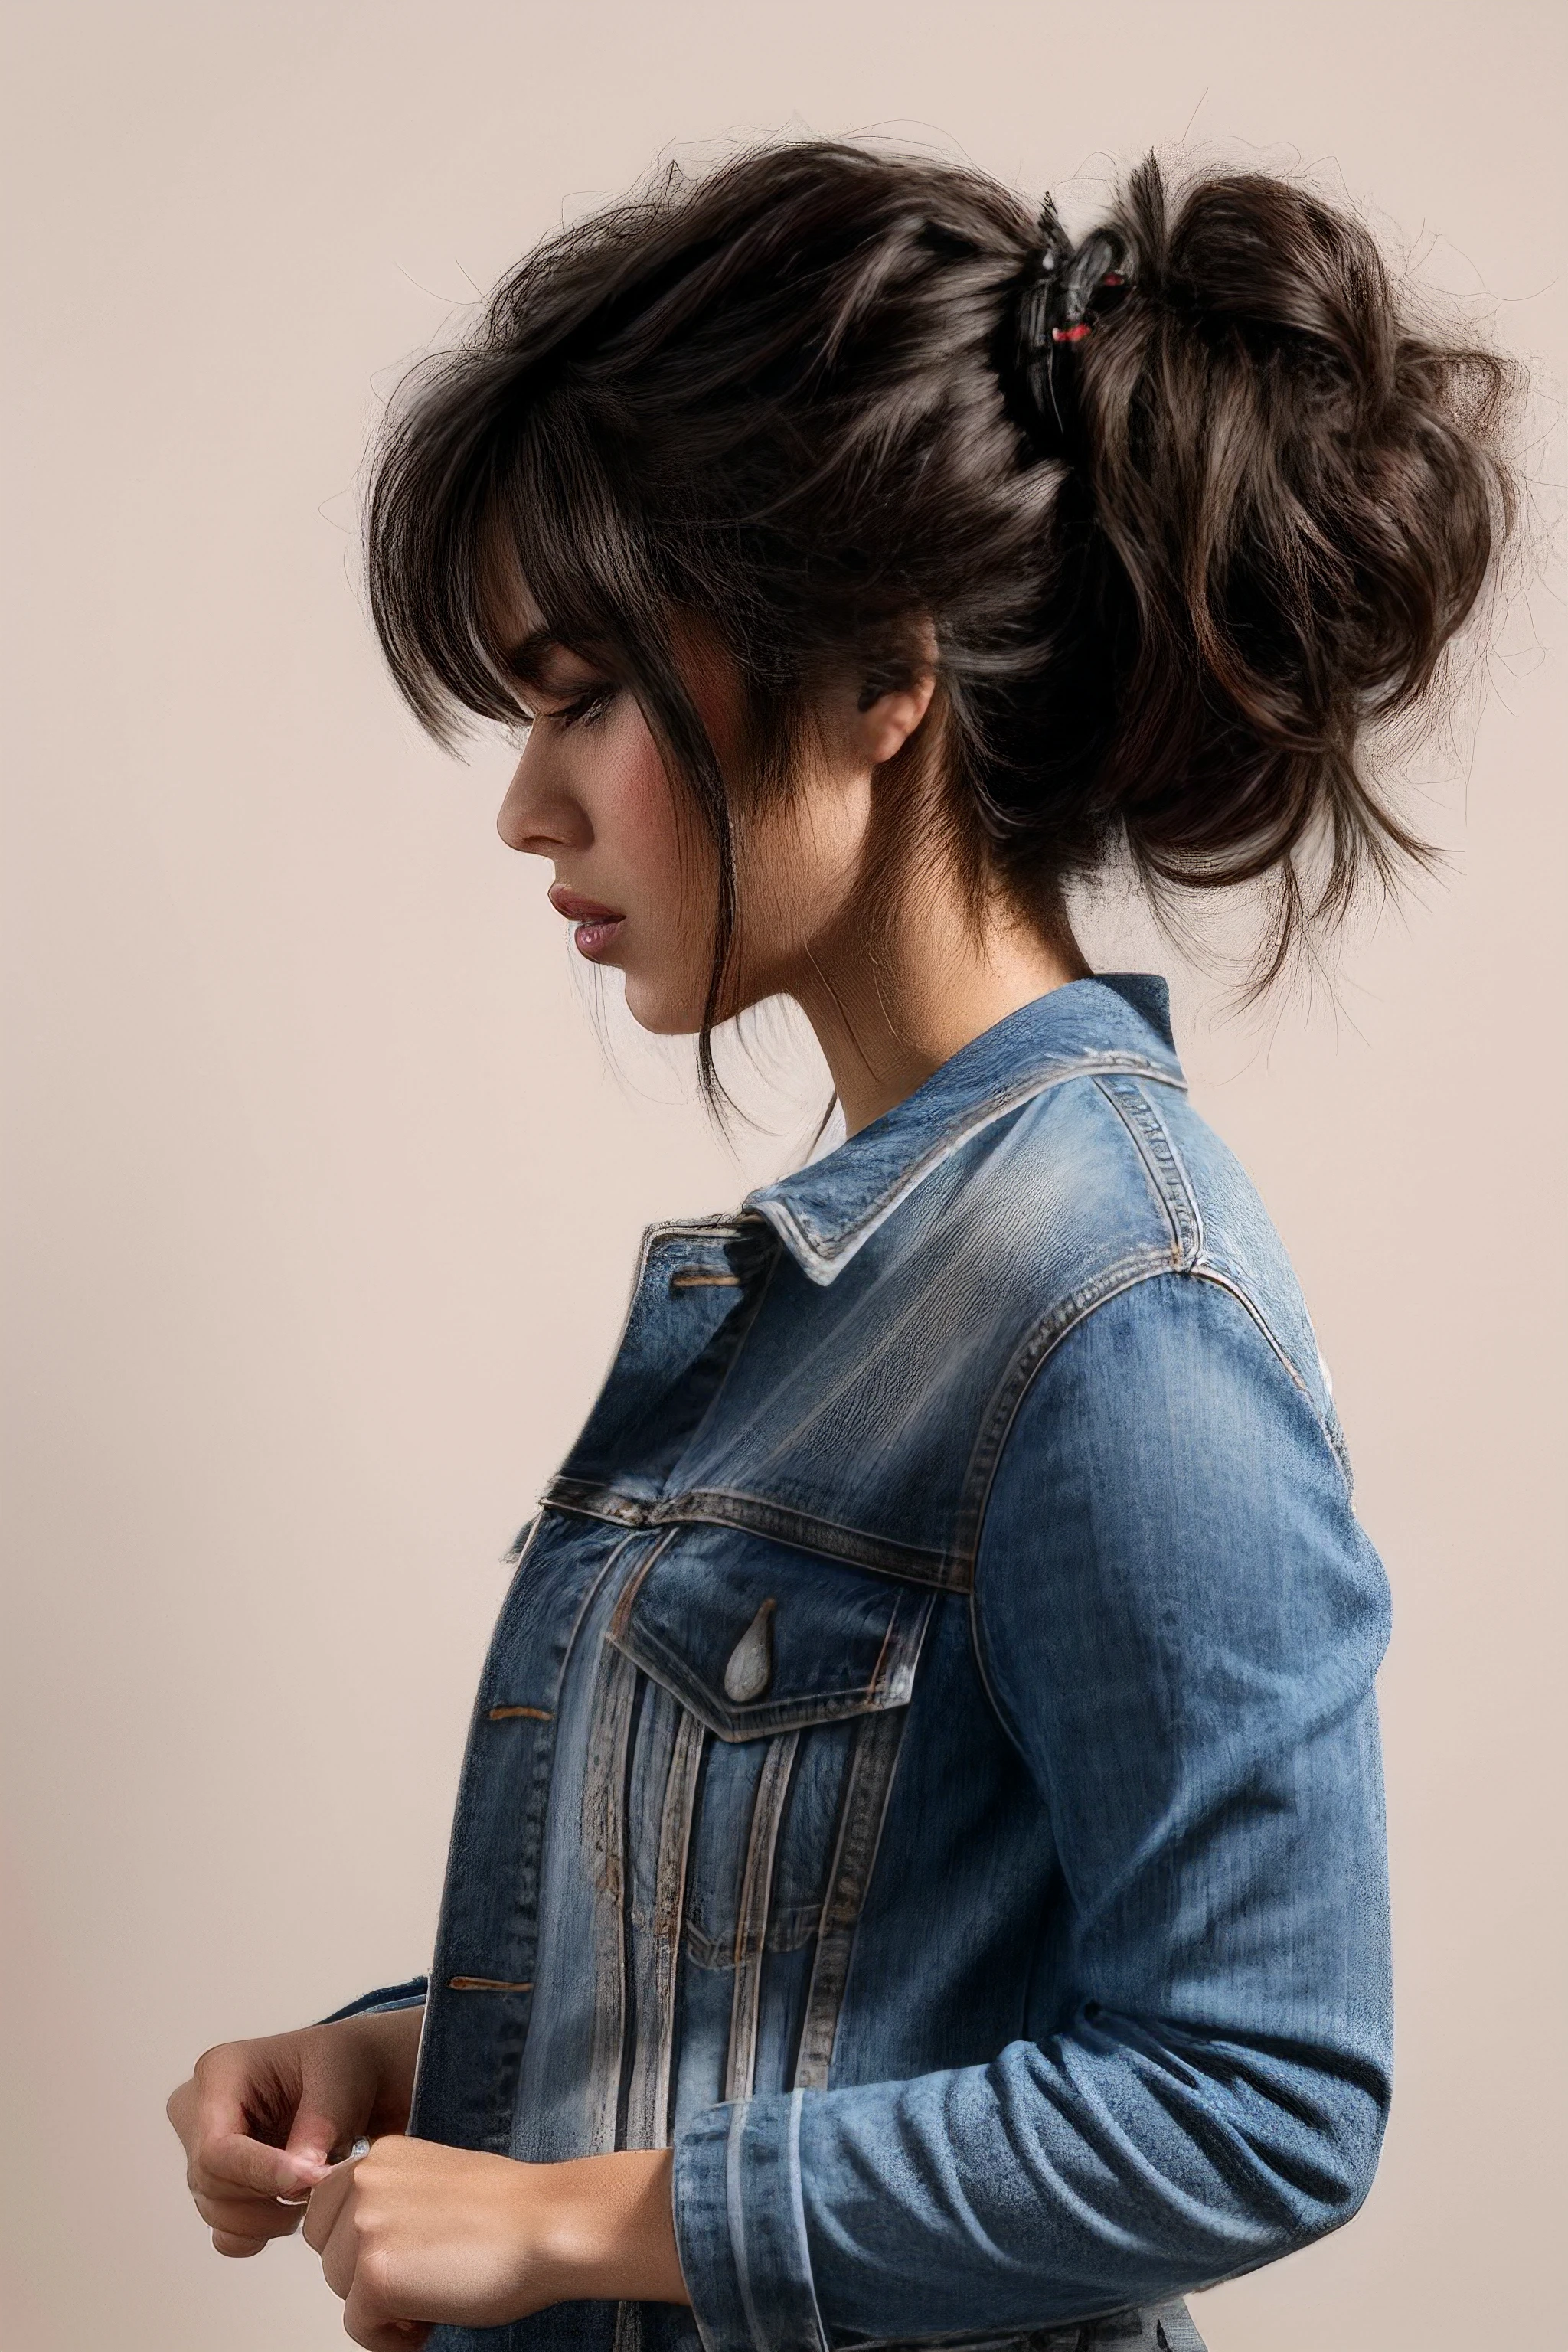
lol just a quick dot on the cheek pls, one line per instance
(647, 834)
(652, 858)
(654, 845)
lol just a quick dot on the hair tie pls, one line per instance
(1065, 289)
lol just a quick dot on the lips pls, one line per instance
(594, 925)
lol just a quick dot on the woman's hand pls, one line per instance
(261, 2120)
(417, 2234)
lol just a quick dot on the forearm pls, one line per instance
(608, 2233)
(416, 2231)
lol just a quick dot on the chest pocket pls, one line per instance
(795, 1673)
(755, 1638)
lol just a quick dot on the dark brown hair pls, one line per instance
(785, 399)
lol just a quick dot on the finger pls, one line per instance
(327, 2201)
(249, 2089)
(387, 2334)
(342, 2254)
(335, 2101)
(208, 2107)
(321, 2137)
(225, 2241)
(367, 2321)
(249, 2217)
(220, 2167)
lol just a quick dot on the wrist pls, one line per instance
(610, 2231)
(387, 2047)
(389, 2037)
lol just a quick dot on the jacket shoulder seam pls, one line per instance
(1028, 1362)
(1161, 1163)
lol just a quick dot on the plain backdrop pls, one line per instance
(324, 1193)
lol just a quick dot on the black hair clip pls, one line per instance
(1065, 289)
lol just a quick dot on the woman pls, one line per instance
(918, 1873)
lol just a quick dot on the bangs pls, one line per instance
(489, 482)
(481, 492)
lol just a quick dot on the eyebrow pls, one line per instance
(529, 659)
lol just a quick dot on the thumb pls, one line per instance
(240, 2162)
(335, 2109)
(314, 2135)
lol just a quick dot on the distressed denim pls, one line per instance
(926, 1769)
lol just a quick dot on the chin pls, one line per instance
(663, 1012)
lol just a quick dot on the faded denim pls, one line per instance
(926, 1769)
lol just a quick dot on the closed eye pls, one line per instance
(585, 708)
(582, 710)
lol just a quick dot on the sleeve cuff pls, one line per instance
(409, 1995)
(740, 2226)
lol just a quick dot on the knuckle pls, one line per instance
(373, 2272)
(247, 2218)
(203, 2180)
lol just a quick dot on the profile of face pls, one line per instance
(633, 872)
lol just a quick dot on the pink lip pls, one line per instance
(594, 926)
(593, 940)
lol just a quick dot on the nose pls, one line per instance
(537, 815)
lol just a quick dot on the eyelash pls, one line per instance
(585, 710)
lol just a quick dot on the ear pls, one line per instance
(884, 720)
(884, 725)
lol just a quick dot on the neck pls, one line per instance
(886, 1022)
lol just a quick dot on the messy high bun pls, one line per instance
(1282, 502)
(1180, 557)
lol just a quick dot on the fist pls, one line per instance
(416, 2232)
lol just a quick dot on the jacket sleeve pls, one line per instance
(411, 1994)
(1179, 1620)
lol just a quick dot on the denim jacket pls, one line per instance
(926, 1769)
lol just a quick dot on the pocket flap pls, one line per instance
(754, 1637)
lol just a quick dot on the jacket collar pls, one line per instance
(1116, 1024)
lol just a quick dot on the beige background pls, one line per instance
(325, 1199)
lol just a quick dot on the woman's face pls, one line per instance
(634, 873)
